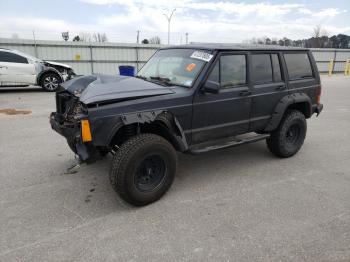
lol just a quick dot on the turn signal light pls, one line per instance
(318, 95)
(85, 131)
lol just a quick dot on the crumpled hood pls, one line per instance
(100, 88)
(57, 64)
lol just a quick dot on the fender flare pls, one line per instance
(283, 104)
(48, 70)
(162, 117)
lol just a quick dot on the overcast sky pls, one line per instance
(204, 20)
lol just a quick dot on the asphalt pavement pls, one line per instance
(236, 204)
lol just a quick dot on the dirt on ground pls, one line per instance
(12, 111)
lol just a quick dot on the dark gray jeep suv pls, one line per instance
(190, 99)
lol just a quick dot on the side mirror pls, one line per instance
(211, 87)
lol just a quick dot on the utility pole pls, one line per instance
(138, 37)
(169, 20)
(35, 47)
(186, 38)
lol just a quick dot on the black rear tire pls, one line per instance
(50, 81)
(143, 169)
(288, 138)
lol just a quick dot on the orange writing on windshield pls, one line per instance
(190, 67)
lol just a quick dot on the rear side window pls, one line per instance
(12, 58)
(266, 68)
(298, 65)
(262, 69)
(277, 77)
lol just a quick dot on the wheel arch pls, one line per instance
(46, 71)
(160, 123)
(298, 101)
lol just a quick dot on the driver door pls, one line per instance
(227, 112)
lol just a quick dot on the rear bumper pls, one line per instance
(318, 108)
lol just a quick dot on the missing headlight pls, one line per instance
(79, 109)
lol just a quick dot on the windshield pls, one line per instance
(175, 66)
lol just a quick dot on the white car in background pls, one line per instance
(17, 68)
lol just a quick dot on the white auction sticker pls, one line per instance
(202, 56)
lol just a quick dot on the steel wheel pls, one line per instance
(293, 134)
(150, 173)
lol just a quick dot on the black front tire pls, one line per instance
(143, 169)
(288, 138)
(50, 81)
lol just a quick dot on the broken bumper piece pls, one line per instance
(72, 133)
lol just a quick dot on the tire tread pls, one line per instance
(117, 172)
(274, 142)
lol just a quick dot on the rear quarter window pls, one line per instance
(298, 65)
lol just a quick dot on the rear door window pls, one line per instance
(266, 69)
(12, 58)
(277, 77)
(298, 65)
(262, 69)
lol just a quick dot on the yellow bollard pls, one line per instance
(347, 67)
(330, 67)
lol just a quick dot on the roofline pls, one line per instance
(236, 47)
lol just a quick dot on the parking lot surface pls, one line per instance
(236, 204)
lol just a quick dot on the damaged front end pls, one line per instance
(71, 121)
(81, 102)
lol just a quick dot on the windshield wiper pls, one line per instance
(158, 80)
(162, 80)
(141, 77)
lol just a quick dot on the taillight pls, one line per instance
(318, 95)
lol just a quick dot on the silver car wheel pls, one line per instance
(51, 83)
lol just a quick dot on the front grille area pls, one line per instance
(68, 108)
(62, 99)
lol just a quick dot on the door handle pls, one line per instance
(245, 93)
(4, 67)
(281, 87)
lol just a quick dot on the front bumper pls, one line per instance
(72, 132)
(68, 131)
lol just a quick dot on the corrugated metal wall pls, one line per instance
(87, 58)
(323, 57)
